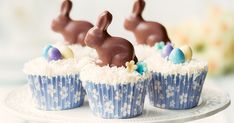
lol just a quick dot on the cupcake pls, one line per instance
(114, 84)
(177, 78)
(54, 79)
(113, 92)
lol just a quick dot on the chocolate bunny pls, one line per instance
(112, 51)
(146, 32)
(73, 32)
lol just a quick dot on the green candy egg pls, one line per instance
(187, 52)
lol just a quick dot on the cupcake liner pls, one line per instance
(57, 92)
(116, 101)
(176, 91)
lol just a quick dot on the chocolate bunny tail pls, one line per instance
(104, 20)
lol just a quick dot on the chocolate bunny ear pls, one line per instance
(66, 7)
(138, 8)
(104, 20)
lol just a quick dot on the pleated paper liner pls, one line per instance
(116, 101)
(56, 92)
(176, 91)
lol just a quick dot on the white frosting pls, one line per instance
(79, 51)
(40, 66)
(110, 75)
(144, 51)
(156, 63)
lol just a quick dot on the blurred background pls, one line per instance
(206, 25)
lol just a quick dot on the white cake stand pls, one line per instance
(213, 100)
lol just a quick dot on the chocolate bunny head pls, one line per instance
(61, 21)
(136, 17)
(112, 51)
(72, 31)
(96, 35)
(146, 32)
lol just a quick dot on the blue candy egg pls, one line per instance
(177, 56)
(45, 51)
(54, 54)
(167, 50)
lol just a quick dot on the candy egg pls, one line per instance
(54, 54)
(45, 51)
(159, 46)
(167, 50)
(177, 56)
(66, 52)
(187, 52)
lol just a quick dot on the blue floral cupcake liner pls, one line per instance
(57, 92)
(176, 91)
(116, 101)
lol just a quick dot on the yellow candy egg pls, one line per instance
(66, 52)
(187, 52)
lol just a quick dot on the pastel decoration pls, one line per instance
(167, 50)
(131, 66)
(177, 56)
(54, 54)
(45, 51)
(66, 52)
(187, 52)
(141, 67)
(159, 46)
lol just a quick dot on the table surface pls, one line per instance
(223, 117)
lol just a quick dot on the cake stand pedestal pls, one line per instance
(213, 100)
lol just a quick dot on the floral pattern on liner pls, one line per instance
(116, 101)
(176, 91)
(56, 93)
